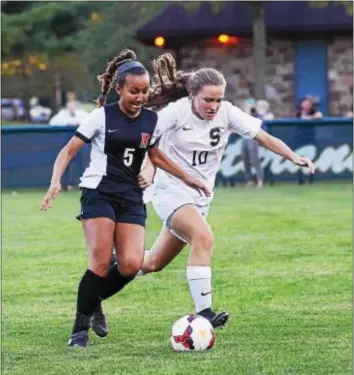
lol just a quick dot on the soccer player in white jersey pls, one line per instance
(194, 132)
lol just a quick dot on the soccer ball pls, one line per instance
(192, 333)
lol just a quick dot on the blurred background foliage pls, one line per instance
(49, 48)
(53, 47)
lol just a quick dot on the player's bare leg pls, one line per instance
(189, 223)
(163, 251)
(129, 239)
(99, 238)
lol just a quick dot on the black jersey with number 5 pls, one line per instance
(119, 144)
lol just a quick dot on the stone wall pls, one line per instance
(340, 75)
(236, 64)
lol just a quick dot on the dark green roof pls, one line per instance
(235, 19)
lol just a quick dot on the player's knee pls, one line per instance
(203, 240)
(152, 265)
(98, 261)
(99, 267)
(129, 267)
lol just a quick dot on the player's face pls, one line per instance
(208, 101)
(134, 93)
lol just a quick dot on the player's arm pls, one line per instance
(279, 147)
(66, 154)
(250, 127)
(147, 174)
(84, 133)
(160, 160)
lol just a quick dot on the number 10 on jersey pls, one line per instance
(200, 157)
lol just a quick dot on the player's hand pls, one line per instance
(197, 184)
(145, 178)
(303, 161)
(52, 192)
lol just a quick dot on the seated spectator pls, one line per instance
(348, 111)
(70, 96)
(70, 115)
(305, 134)
(38, 113)
(307, 110)
(263, 110)
(250, 149)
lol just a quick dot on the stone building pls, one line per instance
(309, 50)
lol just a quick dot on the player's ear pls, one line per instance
(118, 90)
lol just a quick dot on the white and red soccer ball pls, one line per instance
(192, 333)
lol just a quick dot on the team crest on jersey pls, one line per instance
(145, 138)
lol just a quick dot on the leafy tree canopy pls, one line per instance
(46, 27)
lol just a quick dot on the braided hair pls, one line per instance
(170, 84)
(112, 75)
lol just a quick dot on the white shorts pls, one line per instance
(167, 200)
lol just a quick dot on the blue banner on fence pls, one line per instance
(28, 153)
(328, 142)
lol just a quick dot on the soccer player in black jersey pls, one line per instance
(112, 210)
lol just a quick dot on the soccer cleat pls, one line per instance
(217, 320)
(99, 322)
(78, 340)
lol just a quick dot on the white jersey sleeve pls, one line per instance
(242, 123)
(91, 124)
(166, 121)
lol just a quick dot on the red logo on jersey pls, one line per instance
(145, 138)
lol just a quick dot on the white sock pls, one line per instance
(141, 272)
(199, 280)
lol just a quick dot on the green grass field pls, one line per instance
(282, 269)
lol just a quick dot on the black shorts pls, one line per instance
(95, 204)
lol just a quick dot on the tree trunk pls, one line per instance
(57, 88)
(259, 48)
(25, 93)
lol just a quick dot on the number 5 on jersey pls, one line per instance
(128, 156)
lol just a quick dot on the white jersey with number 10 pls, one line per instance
(197, 145)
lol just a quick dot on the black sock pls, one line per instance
(82, 323)
(88, 298)
(114, 282)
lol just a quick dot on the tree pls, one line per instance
(347, 5)
(259, 48)
(258, 37)
(103, 40)
(9, 7)
(38, 41)
(48, 46)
